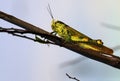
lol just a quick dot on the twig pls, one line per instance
(14, 30)
(73, 62)
(20, 32)
(111, 60)
(74, 78)
(111, 26)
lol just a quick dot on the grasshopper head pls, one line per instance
(53, 24)
(56, 25)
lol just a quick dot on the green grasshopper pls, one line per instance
(71, 35)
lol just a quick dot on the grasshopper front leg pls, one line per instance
(43, 41)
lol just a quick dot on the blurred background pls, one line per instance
(25, 60)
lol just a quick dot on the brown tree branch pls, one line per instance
(111, 60)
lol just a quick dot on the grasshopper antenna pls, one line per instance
(50, 11)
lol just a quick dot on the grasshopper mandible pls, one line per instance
(71, 35)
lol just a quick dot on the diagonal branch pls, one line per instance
(111, 60)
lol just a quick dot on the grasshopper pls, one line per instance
(71, 35)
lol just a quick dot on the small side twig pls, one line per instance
(20, 32)
(14, 30)
(110, 26)
(74, 78)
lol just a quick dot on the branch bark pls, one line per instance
(111, 60)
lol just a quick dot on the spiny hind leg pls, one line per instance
(97, 42)
(79, 40)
